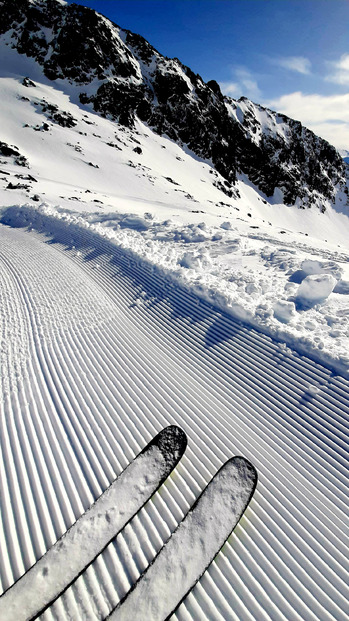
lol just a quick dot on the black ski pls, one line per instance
(192, 547)
(74, 552)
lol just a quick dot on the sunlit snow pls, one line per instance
(102, 231)
(249, 256)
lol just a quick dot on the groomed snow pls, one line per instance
(84, 541)
(99, 352)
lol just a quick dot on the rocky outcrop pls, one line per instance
(122, 76)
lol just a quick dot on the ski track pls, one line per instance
(98, 354)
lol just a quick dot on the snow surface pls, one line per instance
(113, 281)
(316, 288)
(98, 353)
(244, 255)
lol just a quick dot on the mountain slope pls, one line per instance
(123, 77)
(281, 269)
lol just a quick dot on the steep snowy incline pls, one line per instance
(99, 352)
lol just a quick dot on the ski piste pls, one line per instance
(189, 551)
(72, 554)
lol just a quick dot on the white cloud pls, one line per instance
(244, 84)
(230, 88)
(300, 64)
(327, 116)
(340, 71)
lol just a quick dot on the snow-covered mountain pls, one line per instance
(345, 155)
(123, 78)
(167, 256)
(98, 129)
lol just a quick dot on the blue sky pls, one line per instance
(292, 55)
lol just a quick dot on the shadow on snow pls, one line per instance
(217, 334)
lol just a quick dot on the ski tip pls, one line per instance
(172, 442)
(246, 471)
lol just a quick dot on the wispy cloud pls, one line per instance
(339, 70)
(299, 64)
(230, 88)
(243, 84)
(327, 116)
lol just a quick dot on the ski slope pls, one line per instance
(99, 352)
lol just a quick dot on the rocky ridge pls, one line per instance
(123, 77)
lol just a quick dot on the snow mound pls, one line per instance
(316, 288)
(192, 260)
(318, 267)
(284, 311)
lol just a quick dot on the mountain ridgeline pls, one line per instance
(123, 77)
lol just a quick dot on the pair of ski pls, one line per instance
(179, 564)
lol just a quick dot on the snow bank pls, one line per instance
(250, 277)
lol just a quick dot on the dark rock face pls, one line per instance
(12, 151)
(65, 119)
(8, 150)
(133, 80)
